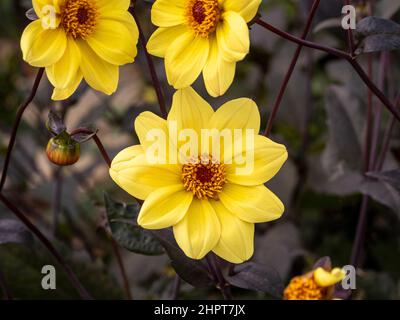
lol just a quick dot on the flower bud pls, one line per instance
(62, 150)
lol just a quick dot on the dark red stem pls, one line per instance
(153, 73)
(289, 73)
(339, 54)
(98, 142)
(16, 124)
(70, 274)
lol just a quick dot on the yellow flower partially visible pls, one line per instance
(326, 278)
(202, 36)
(315, 285)
(80, 39)
(210, 206)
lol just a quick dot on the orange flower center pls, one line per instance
(204, 177)
(304, 288)
(203, 16)
(79, 17)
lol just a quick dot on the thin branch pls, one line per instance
(98, 142)
(305, 43)
(46, 242)
(153, 73)
(121, 268)
(383, 68)
(368, 135)
(17, 122)
(102, 150)
(301, 159)
(219, 279)
(360, 232)
(339, 54)
(292, 65)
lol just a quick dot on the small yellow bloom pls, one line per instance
(207, 36)
(211, 205)
(315, 285)
(326, 278)
(76, 39)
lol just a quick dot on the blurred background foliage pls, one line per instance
(321, 121)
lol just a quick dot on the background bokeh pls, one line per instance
(321, 121)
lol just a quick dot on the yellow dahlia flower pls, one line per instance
(316, 285)
(76, 39)
(210, 203)
(207, 36)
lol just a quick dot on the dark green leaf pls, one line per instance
(384, 188)
(55, 123)
(392, 177)
(83, 137)
(324, 262)
(122, 219)
(12, 231)
(343, 150)
(257, 277)
(192, 271)
(377, 34)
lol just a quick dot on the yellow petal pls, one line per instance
(190, 110)
(237, 114)
(252, 204)
(167, 13)
(199, 231)
(233, 37)
(127, 154)
(40, 47)
(268, 158)
(236, 244)
(133, 173)
(247, 9)
(185, 59)
(165, 207)
(98, 73)
(218, 74)
(328, 278)
(63, 73)
(107, 5)
(147, 121)
(114, 42)
(65, 93)
(162, 38)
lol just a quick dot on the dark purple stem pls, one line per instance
(121, 268)
(360, 232)
(153, 73)
(289, 73)
(368, 135)
(70, 274)
(219, 278)
(16, 124)
(378, 112)
(339, 54)
(98, 142)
